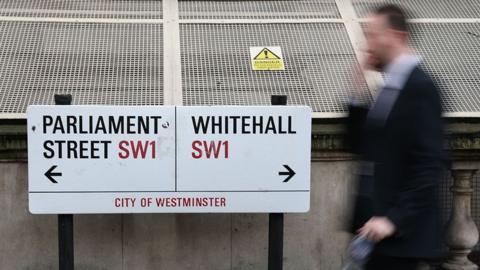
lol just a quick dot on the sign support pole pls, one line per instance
(275, 241)
(275, 220)
(65, 221)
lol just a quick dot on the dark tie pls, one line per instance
(383, 105)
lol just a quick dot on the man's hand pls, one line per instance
(377, 229)
(358, 92)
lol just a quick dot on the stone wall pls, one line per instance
(177, 241)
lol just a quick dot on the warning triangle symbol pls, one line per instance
(265, 54)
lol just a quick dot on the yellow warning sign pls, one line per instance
(267, 58)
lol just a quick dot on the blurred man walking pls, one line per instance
(399, 139)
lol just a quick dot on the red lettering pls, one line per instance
(225, 145)
(191, 202)
(117, 202)
(187, 202)
(125, 202)
(154, 149)
(123, 149)
(160, 202)
(139, 148)
(212, 147)
(196, 147)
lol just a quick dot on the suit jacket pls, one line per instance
(406, 153)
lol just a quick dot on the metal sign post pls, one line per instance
(65, 221)
(275, 241)
(275, 221)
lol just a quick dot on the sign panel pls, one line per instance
(161, 159)
(267, 58)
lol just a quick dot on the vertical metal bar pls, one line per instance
(275, 241)
(65, 221)
(275, 220)
(172, 77)
(65, 242)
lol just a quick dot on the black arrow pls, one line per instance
(290, 173)
(50, 173)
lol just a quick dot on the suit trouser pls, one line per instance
(380, 262)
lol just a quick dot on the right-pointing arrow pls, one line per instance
(49, 174)
(290, 173)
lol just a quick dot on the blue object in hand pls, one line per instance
(358, 252)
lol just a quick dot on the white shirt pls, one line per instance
(398, 71)
(397, 74)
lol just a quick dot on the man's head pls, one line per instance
(387, 36)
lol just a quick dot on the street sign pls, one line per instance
(166, 159)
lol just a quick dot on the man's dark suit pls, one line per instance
(406, 150)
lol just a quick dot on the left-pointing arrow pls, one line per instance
(49, 174)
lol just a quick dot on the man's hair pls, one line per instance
(396, 16)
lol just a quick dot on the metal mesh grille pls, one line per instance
(426, 8)
(451, 55)
(261, 9)
(318, 64)
(119, 64)
(151, 9)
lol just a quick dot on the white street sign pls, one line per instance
(166, 159)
